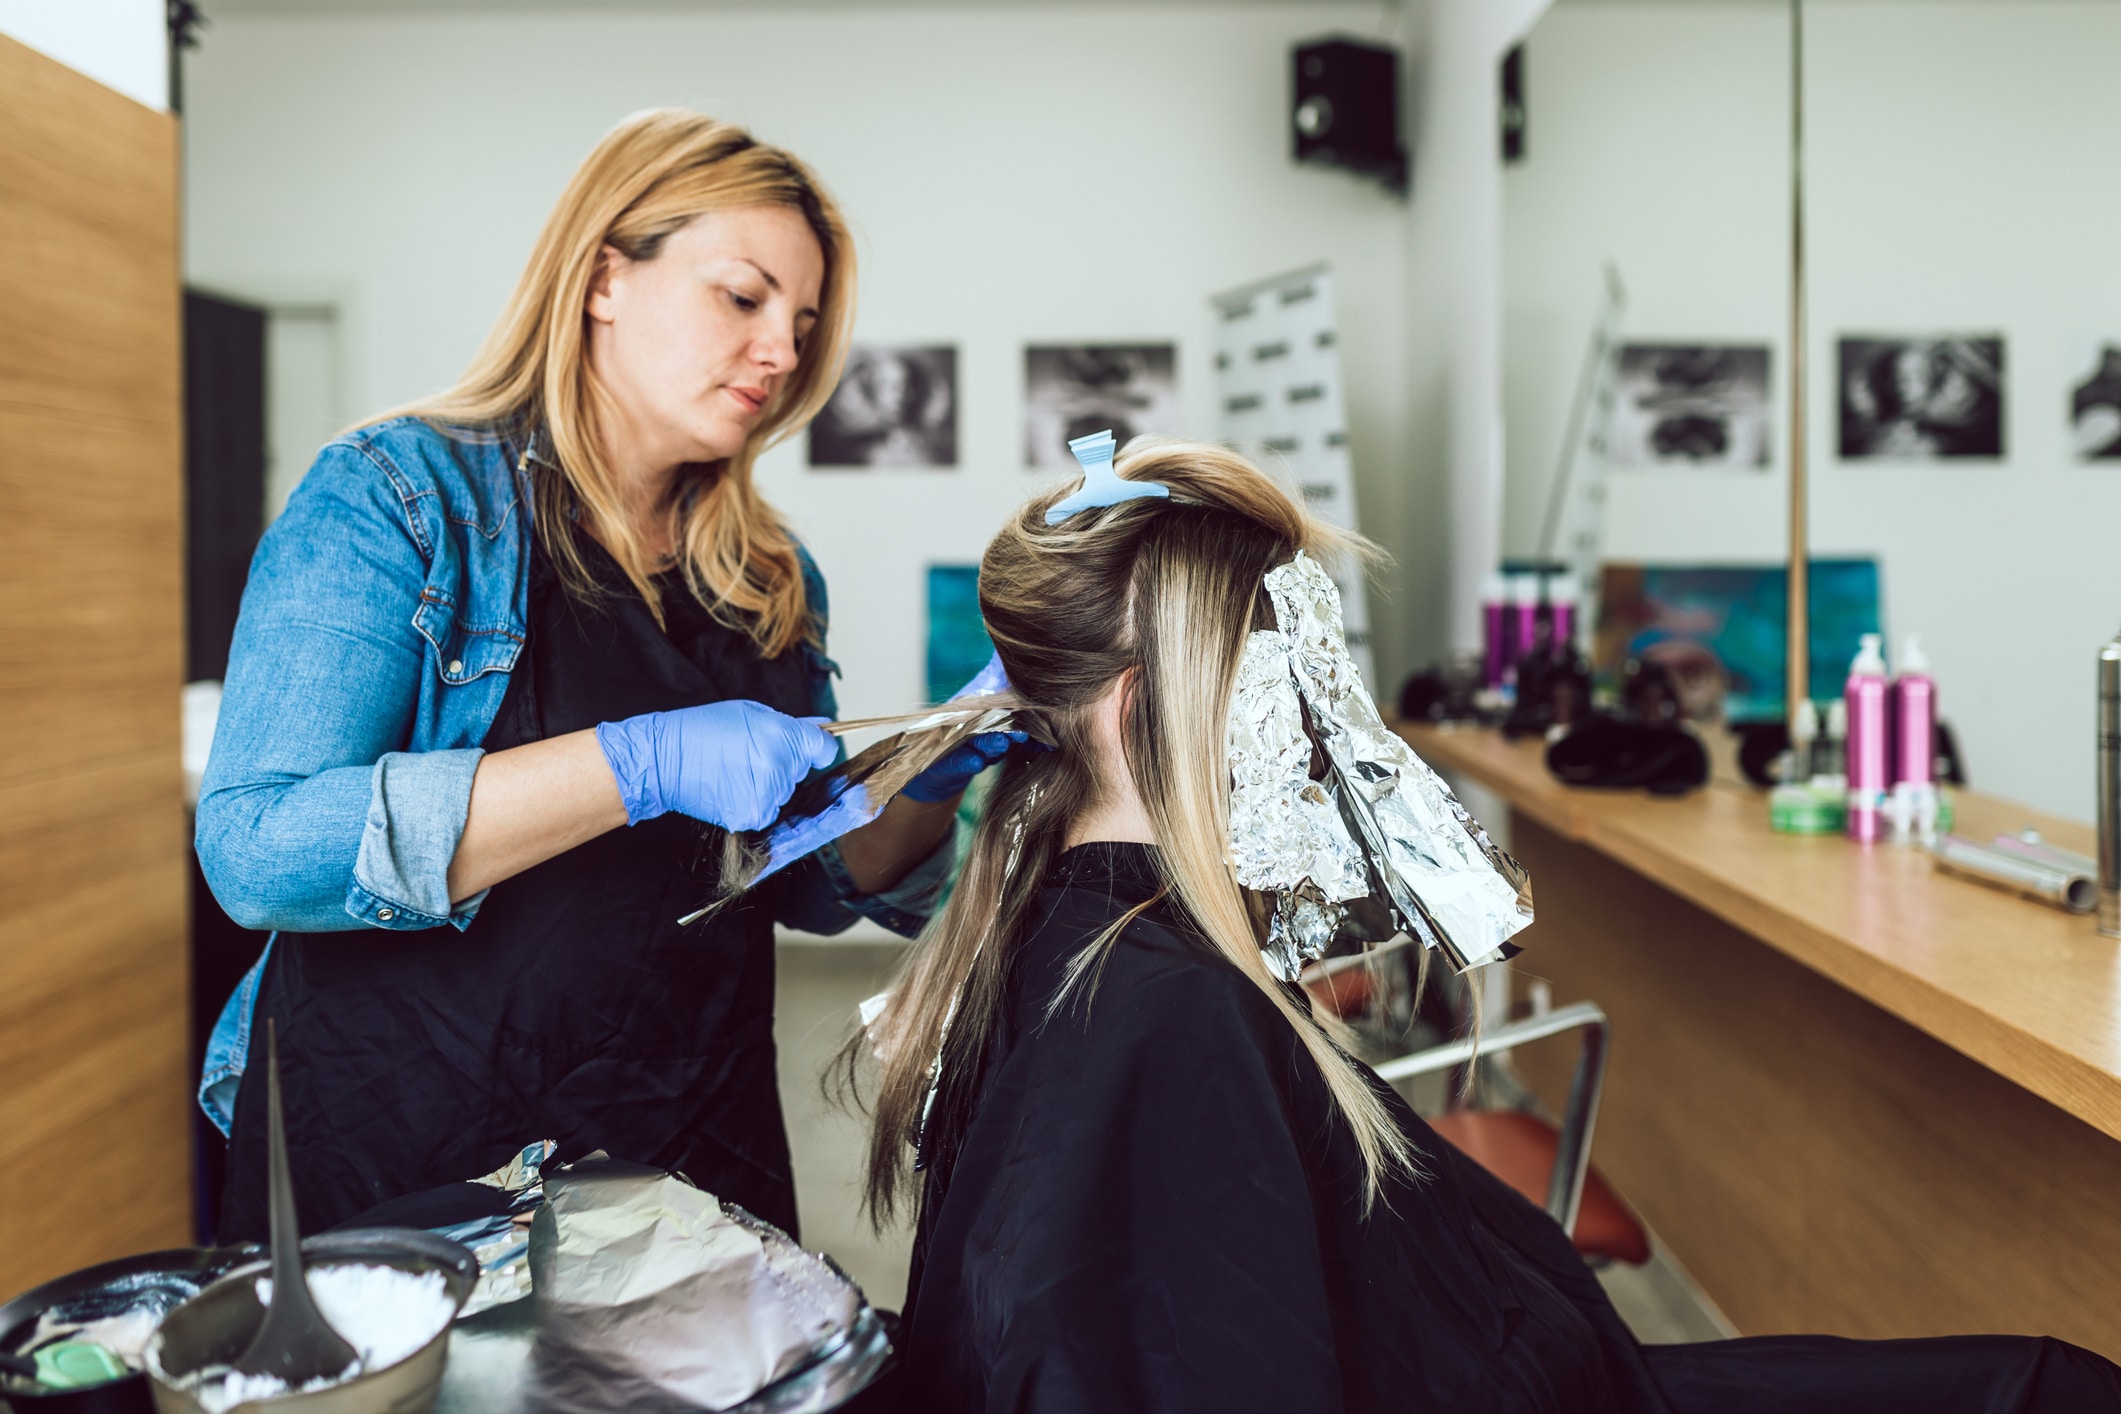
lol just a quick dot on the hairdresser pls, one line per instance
(500, 663)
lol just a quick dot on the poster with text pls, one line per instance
(1278, 385)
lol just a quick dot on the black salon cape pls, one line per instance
(1153, 1207)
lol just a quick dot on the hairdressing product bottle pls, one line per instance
(1804, 731)
(1805, 803)
(1868, 756)
(1495, 639)
(1562, 598)
(2110, 788)
(1830, 756)
(1523, 619)
(1914, 763)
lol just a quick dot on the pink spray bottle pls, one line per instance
(1495, 632)
(1914, 764)
(1869, 750)
(1523, 617)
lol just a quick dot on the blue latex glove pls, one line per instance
(732, 764)
(950, 775)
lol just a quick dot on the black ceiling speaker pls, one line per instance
(1513, 114)
(1346, 109)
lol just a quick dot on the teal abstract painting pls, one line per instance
(958, 646)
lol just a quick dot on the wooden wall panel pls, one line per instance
(1816, 1163)
(95, 1153)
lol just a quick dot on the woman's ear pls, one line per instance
(1129, 685)
(1108, 717)
(601, 303)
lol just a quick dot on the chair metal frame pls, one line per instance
(1572, 1154)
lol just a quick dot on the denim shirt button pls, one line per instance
(386, 914)
(456, 665)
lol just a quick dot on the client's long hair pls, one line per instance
(1167, 590)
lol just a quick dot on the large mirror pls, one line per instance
(1963, 360)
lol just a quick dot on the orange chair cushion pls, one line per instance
(1345, 994)
(1519, 1149)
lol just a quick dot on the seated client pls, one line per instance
(1146, 1177)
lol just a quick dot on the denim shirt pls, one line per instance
(385, 609)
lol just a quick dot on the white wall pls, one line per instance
(120, 43)
(1956, 152)
(1455, 304)
(1072, 173)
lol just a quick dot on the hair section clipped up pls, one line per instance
(1166, 589)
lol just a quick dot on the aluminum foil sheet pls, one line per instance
(1285, 828)
(653, 1295)
(1393, 832)
(1302, 928)
(501, 1241)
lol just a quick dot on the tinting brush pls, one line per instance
(295, 1343)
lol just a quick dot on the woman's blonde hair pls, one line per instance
(1165, 590)
(648, 177)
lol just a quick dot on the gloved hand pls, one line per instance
(954, 771)
(732, 764)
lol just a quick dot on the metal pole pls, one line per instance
(1799, 646)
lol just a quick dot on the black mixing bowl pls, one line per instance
(107, 1289)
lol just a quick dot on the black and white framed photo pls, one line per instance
(1072, 390)
(1927, 398)
(2095, 402)
(1690, 405)
(896, 405)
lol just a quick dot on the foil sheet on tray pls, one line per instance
(1376, 823)
(652, 1295)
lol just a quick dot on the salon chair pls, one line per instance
(1549, 1166)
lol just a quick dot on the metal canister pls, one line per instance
(2110, 788)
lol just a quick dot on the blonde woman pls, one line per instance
(1146, 1179)
(489, 635)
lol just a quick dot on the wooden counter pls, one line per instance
(1850, 1093)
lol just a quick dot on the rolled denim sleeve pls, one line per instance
(312, 816)
(417, 803)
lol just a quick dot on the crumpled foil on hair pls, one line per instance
(1299, 932)
(1445, 879)
(1286, 833)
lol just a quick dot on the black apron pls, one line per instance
(574, 1008)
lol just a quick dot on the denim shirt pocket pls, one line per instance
(464, 651)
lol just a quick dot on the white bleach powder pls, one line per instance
(384, 1313)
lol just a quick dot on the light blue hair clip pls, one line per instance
(1101, 485)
